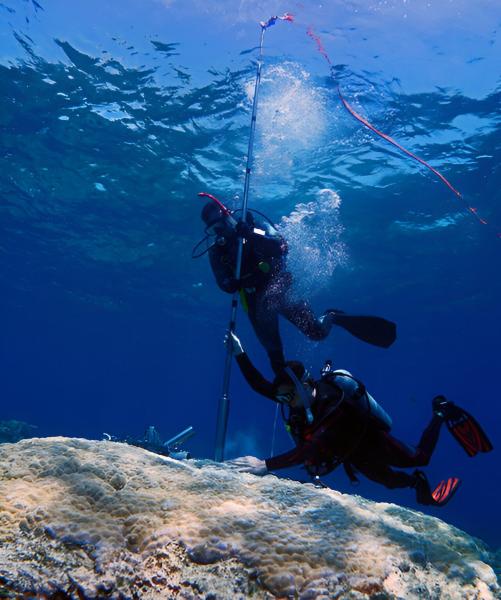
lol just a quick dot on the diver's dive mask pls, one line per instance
(304, 394)
(216, 228)
(213, 236)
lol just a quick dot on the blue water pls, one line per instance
(114, 115)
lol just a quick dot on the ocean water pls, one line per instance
(114, 115)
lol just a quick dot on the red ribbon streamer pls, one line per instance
(350, 109)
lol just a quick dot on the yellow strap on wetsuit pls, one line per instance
(264, 267)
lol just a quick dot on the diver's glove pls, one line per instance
(248, 464)
(236, 345)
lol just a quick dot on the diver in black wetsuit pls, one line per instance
(334, 421)
(265, 284)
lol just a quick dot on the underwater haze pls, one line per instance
(115, 114)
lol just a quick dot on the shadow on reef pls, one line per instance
(9, 594)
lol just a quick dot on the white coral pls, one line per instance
(94, 518)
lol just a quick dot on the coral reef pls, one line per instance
(87, 519)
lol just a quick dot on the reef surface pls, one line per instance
(88, 519)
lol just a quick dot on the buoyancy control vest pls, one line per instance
(338, 393)
(263, 257)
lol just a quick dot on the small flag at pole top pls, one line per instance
(272, 20)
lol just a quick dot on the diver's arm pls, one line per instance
(254, 378)
(255, 466)
(296, 456)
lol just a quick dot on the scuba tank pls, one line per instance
(355, 393)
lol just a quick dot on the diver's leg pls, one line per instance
(392, 479)
(429, 439)
(300, 314)
(399, 454)
(382, 473)
(263, 315)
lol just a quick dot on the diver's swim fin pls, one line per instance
(441, 495)
(373, 330)
(445, 490)
(463, 426)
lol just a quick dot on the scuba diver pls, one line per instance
(335, 420)
(265, 284)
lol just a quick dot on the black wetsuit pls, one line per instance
(344, 435)
(265, 285)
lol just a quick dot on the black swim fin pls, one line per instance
(373, 330)
(463, 426)
(441, 495)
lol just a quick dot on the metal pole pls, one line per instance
(224, 402)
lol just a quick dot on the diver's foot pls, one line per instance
(326, 320)
(441, 406)
(440, 496)
(332, 313)
(422, 487)
(445, 490)
(373, 330)
(465, 429)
